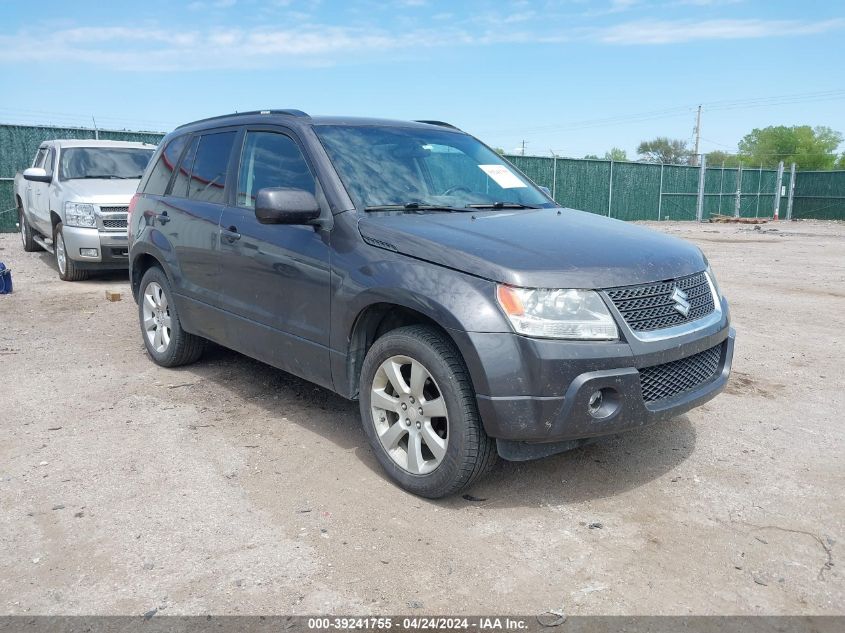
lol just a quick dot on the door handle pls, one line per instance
(162, 218)
(231, 234)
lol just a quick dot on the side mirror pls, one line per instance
(279, 205)
(37, 174)
(546, 191)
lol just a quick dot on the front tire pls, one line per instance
(68, 270)
(420, 415)
(167, 343)
(29, 244)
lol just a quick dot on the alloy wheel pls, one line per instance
(157, 320)
(409, 414)
(61, 256)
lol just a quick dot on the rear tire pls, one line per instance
(167, 343)
(29, 244)
(432, 413)
(68, 270)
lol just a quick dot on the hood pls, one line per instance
(100, 191)
(542, 248)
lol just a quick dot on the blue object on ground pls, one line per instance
(5, 279)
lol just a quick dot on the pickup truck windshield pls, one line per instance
(103, 162)
(416, 168)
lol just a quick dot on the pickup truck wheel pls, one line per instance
(420, 415)
(166, 342)
(29, 244)
(68, 270)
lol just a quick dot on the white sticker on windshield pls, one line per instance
(503, 176)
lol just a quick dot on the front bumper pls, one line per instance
(534, 395)
(111, 246)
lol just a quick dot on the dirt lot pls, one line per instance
(229, 487)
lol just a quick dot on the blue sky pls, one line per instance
(572, 76)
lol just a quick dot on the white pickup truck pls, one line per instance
(74, 199)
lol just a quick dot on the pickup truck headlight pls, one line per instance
(80, 214)
(557, 313)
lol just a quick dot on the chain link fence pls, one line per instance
(623, 190)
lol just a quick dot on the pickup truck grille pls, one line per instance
(651, 306)
(674, 378)
(112, 223)
(113, 218)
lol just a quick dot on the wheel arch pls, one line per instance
(140, 264)
(372, 322)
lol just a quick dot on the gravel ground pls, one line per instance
(229, 487)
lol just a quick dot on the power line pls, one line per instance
(724, 104)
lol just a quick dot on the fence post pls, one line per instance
(610, 189)
(776, 203)
(738, 201)
(699, 207)
(554, 178)
(660, 194)
(759, 189)
(721, 187)
(791, 192)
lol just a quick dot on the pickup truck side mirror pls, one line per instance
(279, 205)
(546, 191)
(37, 174)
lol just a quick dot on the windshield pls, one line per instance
(104, 162)
(416, 168)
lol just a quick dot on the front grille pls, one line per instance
(114, 223)
(670, 379)
(651, 307)
(114, 209)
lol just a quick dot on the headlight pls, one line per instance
(79, 214)
(564, 314)
(716, 289)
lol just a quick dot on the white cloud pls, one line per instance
(678, 31)
(155, 48)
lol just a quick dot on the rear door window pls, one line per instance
(207, 179)
(160, 177)
(183, 175)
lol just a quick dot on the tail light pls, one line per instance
(129, 211)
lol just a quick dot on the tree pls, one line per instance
(809, 147)
(664, 150)
(499, 151)
(840, 164)
(719, 158)
(591, 157)
(616, 153)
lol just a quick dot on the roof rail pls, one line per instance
(288, 112)
(440, 123)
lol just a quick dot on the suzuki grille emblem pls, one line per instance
(680, 298)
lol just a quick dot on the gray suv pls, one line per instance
(409, 266)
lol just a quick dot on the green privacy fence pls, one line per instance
(624, 190)
(647, 191)
(18, 144)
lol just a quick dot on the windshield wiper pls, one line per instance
(105, 177)
(501, 205)
(413, 206)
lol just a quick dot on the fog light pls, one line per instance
(603, 403)
(88, 252)
(595, 402)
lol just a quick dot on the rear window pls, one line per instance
(207, 180)
(163, 170)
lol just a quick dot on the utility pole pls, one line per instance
(96, 129)
(697, 135)
(523, 147)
